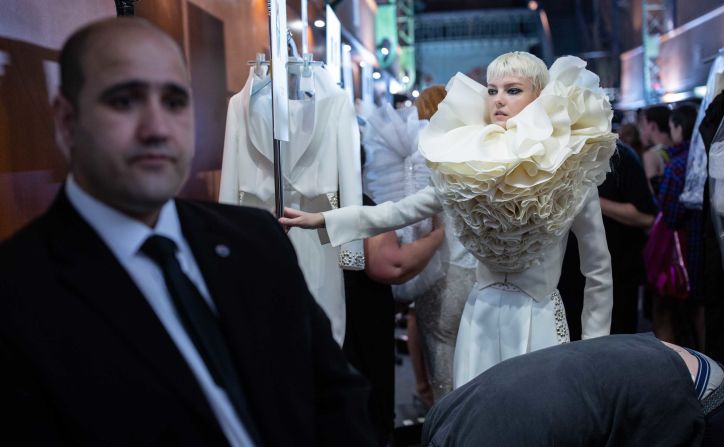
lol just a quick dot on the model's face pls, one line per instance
(677, 133)
(507, 96)
(130, 139)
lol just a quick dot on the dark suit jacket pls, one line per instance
(85, 361)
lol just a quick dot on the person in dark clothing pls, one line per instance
(713, 287)
(131, 317)
(618, 390)
(369, 340)
(688, 223)
(369, 345)
(628, 211)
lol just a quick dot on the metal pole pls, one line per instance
(124, 7)
(278, 178)
(305, 25)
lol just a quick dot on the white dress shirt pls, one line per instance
(125, 236)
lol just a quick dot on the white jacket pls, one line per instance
(321, 159)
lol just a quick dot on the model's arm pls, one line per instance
(626, 213)
(388, 262)
(360, 222)
(349, 168)
(595, 266)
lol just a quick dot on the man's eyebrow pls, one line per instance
(176, 89)
(170, 87)
(124, 86)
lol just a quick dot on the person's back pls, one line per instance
(620, 390)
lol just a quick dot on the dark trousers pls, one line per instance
(369, 345)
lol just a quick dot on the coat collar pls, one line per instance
(303, 116)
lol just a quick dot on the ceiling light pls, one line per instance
(319, 23)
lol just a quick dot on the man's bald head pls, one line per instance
(75, 49)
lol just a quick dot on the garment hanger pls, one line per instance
(261, 70)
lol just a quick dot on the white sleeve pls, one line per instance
(595, 266)
(349, 174)
(359, 222)
(229, 188)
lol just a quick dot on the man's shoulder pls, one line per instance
(222, 211)
(28, 236)
(229, 218)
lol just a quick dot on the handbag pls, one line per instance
(665, 269)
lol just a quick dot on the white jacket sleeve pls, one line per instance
(595, 266)
(349, 169)
(229, 188)
(359, 222)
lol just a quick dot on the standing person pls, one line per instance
(629, 135)
(129, 317)
(656, 139)
(628, 212)
(689, 225)
(515, 166)
(439, 308)
(395, 168)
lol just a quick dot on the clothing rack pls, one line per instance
(261, 68)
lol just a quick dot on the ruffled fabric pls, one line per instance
(395, 169)
(514, 192)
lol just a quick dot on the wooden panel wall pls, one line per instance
(31, 167)
(218, 36)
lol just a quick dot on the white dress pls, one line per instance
(512, 196)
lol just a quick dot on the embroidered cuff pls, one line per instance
(351, 256)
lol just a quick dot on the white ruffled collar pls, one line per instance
(512, 192)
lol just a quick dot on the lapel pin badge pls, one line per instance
(223, 250)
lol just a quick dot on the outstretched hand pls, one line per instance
(301, 219)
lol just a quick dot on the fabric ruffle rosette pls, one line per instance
(513, 192)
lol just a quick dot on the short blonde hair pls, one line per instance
(520, 63)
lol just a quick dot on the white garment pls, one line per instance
(513, 195)
(321, 159)
(393, 169)
(693, 194)
(124, 236)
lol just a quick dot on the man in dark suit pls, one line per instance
(128, 317)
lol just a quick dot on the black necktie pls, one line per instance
(199, 321)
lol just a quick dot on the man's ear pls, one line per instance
(65, 117)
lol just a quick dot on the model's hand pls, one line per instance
(296, 218)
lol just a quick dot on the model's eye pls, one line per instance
(514, 91)
(492, 91)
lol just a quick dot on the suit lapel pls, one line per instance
(89, 268)
(228, 271)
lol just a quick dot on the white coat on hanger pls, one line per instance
(321, 167)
